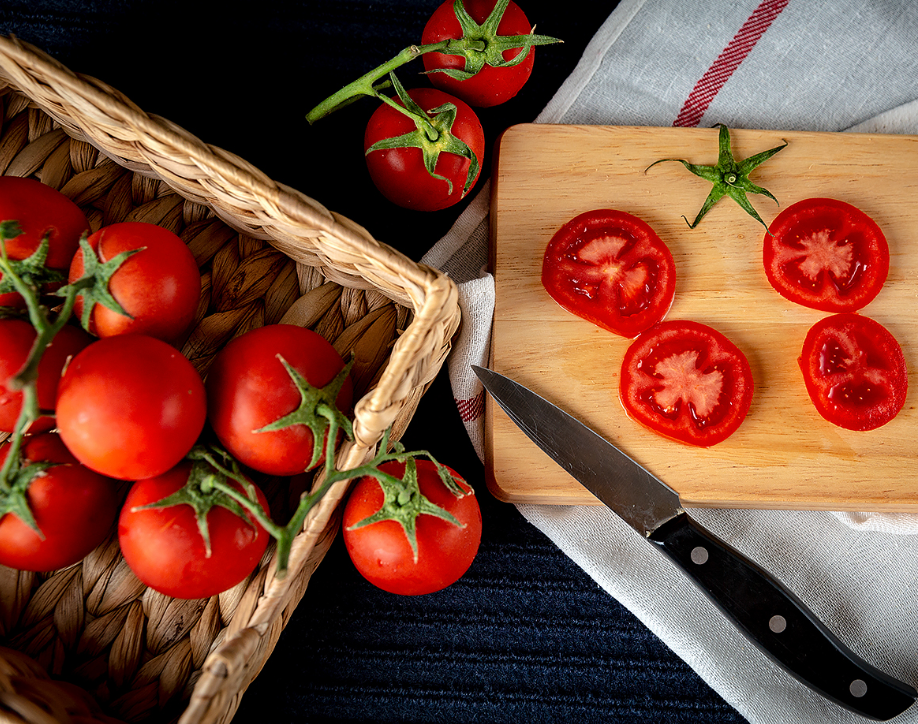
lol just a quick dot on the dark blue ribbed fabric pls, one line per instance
(525, 636)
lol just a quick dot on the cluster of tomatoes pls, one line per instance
(95, 396)
(687, 381)
(424, 146)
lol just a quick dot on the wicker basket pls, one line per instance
(90, 643)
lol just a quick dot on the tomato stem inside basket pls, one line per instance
(26, 278)
(330, 476)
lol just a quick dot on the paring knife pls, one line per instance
(769, 614)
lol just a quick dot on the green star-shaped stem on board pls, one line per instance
(730, 178)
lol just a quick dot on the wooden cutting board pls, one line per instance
(784, 455)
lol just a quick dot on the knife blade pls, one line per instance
(768, 613)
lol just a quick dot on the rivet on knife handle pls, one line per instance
(780, 624)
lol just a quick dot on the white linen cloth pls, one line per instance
(819, 65)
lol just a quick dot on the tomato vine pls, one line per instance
(480, 46)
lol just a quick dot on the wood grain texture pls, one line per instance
(784, 455)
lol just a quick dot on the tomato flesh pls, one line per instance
(827, 255)
(854, 371)
(686, 381)
(612, 269)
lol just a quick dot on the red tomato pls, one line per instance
(16, 340)
(130, 406)
(41, 211)
(400, 173)
(164, 547)
(827, 255)
(73, 507)
(610, 268)
(158, 287)
(491, 85)
(381, 551)
(686, 381)
(854, 371)
(248, 388)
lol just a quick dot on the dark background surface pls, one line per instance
(525, 636)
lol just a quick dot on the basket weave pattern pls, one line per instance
(267, 254)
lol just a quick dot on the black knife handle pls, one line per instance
(780, 624)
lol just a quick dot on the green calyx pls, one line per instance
(404, 503)
(317, 410)
(204, 490)
(101, 275)
(13, 495)
(432, 135)
(31, 271)
(729, 177)
(481, 45)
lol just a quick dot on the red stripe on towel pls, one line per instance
(728, 61)
(470, 410)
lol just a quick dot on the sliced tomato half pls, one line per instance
(686, 381)
(826, 254)
(854, 371)
(612, 269)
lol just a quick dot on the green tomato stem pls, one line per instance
(365, 85)
(26, 379)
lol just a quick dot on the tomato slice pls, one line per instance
(854, 371)
(686, 381)
(612, 269)
(826, 254)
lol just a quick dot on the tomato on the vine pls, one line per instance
(381, 549)
(612, 269)
(41, 211)
(396, 145)
(157, 287)
(854, 371)
(17, 338)
(130, 406)
(686, 381)
(249, 388)
(827, 255)
(165, 548)
(493, 84)
(73, 507)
